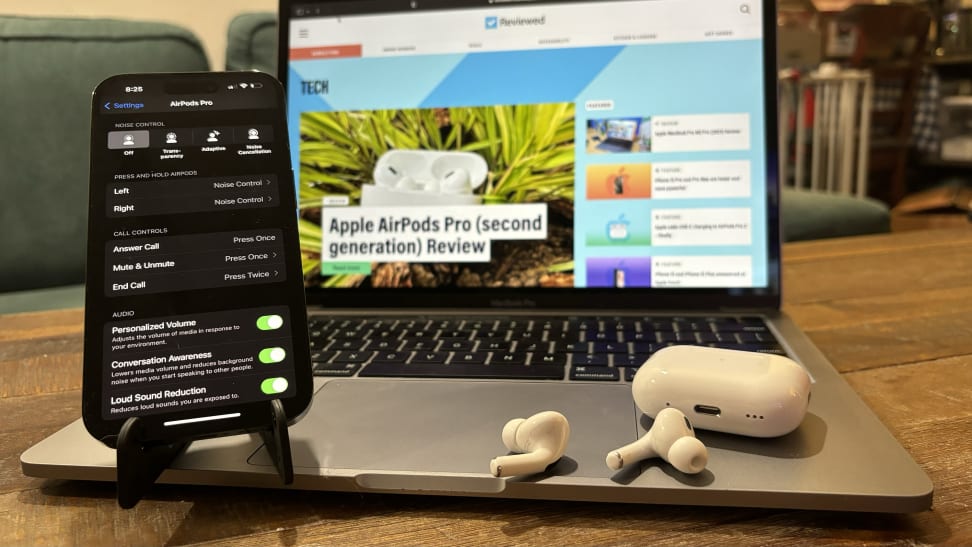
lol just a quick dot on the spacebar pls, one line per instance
(462, 370)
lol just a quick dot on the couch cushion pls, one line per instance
(50, 67)
(816, 215)
(251, 43)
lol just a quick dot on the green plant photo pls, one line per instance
(528, 149)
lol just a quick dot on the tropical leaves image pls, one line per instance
(529, 150)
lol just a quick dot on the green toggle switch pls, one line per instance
(272, 386)
(272, 355)
(269, 322)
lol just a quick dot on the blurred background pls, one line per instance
(207, 19)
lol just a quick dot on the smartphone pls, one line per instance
(194, 303)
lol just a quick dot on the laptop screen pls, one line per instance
(514, 147)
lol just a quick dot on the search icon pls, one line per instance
(744, 8)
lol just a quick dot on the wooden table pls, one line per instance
(893, 313)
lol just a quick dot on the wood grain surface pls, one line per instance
(893, 313)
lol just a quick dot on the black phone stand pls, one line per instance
(140, 464)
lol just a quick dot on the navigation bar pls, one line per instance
(514, 27)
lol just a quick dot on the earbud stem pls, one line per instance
(520, 464)
(631, 453)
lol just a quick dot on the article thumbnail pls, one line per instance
(459, 196)
(619, 272)
(619, 135)
(619, 181)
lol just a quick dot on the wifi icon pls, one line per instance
(244, 86)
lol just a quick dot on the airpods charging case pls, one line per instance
(741, 392)
(426, 168)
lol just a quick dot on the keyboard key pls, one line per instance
(629, 374)
(725, 337)
(515, 358)
(430, 357)
(758, 348)
(570, 347)
(549, 359)
(603, 374)
(630, 359)
(590, 359)
(494, 345)
(610, 347)
(420, 344)
(383, 344)
(456, 345)
(349, 344)
(322, 356)
(606, 336)
(455, 334)
(336, 369)
(456, 370)
(470, 357)
(392, 356)
(532, 345)
(419, 334)
(643, 347)
(352, 356)
(319, 343)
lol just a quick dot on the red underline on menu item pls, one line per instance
(326, 52)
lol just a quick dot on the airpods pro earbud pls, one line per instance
(456, 181)
(396, 178)
(407, 183)
(670, 438)
(541, 439)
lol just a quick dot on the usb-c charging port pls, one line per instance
(708, 409)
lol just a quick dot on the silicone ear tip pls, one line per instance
(688, 455)
(509, 433)
(614, 460)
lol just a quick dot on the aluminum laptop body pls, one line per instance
(451, 183)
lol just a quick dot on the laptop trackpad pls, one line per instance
(443, 426)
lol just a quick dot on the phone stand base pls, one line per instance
(139, 464)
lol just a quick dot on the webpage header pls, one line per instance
(527, 26)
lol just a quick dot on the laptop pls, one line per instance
(615, 135)
(483, 282)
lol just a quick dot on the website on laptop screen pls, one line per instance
(588, 145)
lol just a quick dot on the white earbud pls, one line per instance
(395, 177)
(388, 175)
(456, 181)
(407, 183)
(541, 439)
(670, 438)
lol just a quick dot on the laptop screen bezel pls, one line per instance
(446, 298)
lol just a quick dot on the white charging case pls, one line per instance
(423, 166)
(741, 392)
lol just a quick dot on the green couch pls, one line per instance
(50, 67)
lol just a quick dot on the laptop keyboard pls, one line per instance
(538, 348)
